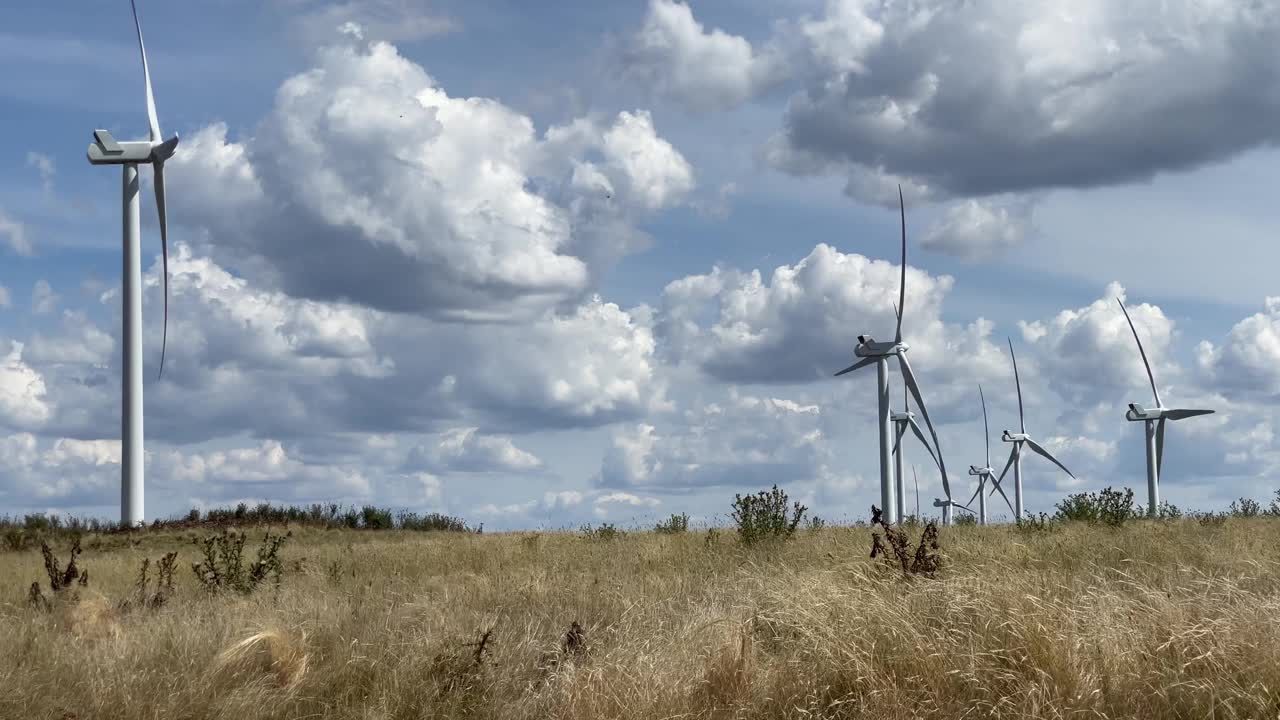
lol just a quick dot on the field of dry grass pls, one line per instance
(1152, 620)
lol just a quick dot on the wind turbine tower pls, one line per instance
(105, 150)
(878, 353)
(1154, 419)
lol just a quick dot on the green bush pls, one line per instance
(764, 516)
(603, 532)
(674, 524)
(1110, 507)
(1245, 507)
(373, 518)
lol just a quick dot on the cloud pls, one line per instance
(1089, 354)
(15, 233)
(44, 165)
(316, 22)
(43, 298)
(980, 98)
(1247, 365)
(746, 440)
(303, 368)
(365, 177)
(5, 299)
(467, 450)
(703, 70)
(979, 229)
(23, 395)
(801, 326)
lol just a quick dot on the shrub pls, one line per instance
(373, 518)
(1032, 524)
(965, 519)
(764, 516)
(223, 565)
(1245, 507)
(1168, 511)
(813, 522)
(1110, 506)
(143, 596)
(436, 522)
(672, 525)
(603, 532)
(1210, 519)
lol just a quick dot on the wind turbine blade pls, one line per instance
(1151, 376)
(910, 379)
(902, 282)
(920, 434)
(158, 167)
(975, 492)
(963, 507)
(1183, 414)
(861, 363)
(1159, 446)
(986, 431)
(153, 123)
(1045, 453)
(1006, 498)
(1022, 422)
(897, 440)
(1013, 455)
(915, 480)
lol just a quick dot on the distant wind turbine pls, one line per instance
(901, 422)
(878, 353)
(154, 151)
(1154, 419)
(1019, 439)
(986, 472)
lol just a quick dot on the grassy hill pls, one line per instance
(1154, 619)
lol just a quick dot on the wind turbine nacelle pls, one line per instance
(1014, 437)
(939, 502)
(975, 470)
(902, 416)
(868, 347)
(106, 151)
(1137, 413)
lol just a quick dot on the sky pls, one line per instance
(600, 263)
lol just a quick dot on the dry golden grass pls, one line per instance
(1172, 620)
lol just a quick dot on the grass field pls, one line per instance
(1173, 619)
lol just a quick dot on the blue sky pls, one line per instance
(597, 263)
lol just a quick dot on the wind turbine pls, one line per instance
(878, 353)
(985, 472)
(154, 151)
(1019, 439)
(901, 422)
(1154, 419)
(946, 505)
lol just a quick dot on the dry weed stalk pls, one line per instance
(923, 561)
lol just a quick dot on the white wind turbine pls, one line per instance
(946, 504)
(879, 353)
(154, 151)
(1019, 439)
(985, 472)
(901, 422)
(1154, 419)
